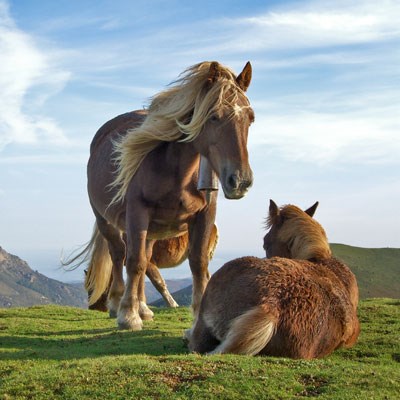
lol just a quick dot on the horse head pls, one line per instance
(293, 233)
(223, 136)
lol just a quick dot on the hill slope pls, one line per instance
(53, 352)
(377, 270)
(21, 286)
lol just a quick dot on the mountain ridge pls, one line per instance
(377, 271)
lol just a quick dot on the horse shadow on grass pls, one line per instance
(91, 343)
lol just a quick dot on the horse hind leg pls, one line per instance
(157, 280)
(144, 311)
(117, 250)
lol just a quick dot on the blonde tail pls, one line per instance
(249, 333)
(98, 274)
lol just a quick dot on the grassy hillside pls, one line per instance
(53, 352)
(377, 270)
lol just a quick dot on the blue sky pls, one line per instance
(325, 90)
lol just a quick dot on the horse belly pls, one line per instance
(160, 229)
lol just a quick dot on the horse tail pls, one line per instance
(213, 242)
(98, 274)
(249, 333)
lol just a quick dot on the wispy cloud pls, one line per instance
(323, 138)
(319, 23)
(27, 77)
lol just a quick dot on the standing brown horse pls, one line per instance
(142, 181)
(301, 306)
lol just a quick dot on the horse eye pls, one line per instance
(214, 118)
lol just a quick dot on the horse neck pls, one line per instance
(183, 158)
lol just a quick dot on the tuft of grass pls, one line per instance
(52, 352)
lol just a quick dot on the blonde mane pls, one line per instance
(177, 113)
(304, 236)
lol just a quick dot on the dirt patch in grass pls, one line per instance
(313, 385)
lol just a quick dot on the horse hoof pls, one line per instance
(131, 324)
(113, 305)
(147, 316)
(187, 335)
(145, 312)
(173, 304)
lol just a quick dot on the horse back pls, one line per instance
(121, 123)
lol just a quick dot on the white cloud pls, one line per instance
(313, 24)
(27, 78)
(322, 138)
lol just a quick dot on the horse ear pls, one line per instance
(273, 211)
(311, 211)
(213, 73)
(244, 78)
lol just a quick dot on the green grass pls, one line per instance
(52, 352)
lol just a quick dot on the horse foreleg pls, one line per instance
(199, 239)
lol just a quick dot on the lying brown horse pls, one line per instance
(300, 306)
(143, 173)
(167, 253)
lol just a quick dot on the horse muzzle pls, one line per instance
(235, 186)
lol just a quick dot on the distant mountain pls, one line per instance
(173, 285)
(377, 272)
(183, 297)
(21, 286)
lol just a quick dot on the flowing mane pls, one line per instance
(177, 113)
(304, 235)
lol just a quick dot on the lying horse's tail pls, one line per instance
(98, 274)
(249, 333)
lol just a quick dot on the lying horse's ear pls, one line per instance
(213, 73)
(244, 78)
(311, 211)
(273, 212)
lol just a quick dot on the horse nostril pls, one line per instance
(233, 181)
(246, 184)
